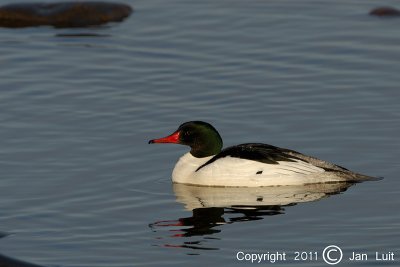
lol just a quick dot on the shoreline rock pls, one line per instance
(385, 12)
(62, 14)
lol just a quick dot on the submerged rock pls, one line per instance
(62, 14)
(385, 12)
(10, 262)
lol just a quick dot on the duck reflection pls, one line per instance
(215, 206)
(194, 197)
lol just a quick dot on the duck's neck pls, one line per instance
(207, 146)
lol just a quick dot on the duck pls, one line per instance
(246, 165)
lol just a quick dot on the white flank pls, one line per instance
(230, 171)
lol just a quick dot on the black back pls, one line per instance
(258, 152)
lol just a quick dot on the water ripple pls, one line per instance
(79, 184)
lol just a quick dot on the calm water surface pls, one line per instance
(79, 185)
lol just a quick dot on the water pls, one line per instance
(80, 186)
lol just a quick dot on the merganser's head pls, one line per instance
(202, 137)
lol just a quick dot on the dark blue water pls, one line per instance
(79, 185)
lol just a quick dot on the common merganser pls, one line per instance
(246, 165)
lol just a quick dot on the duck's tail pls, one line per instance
(358, 177)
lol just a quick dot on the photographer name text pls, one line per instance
(331, 255)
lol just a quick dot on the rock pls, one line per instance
(385, 12)
(10, 262)
(62, 14)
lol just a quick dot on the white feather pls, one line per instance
(230, 171)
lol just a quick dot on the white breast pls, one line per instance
(230, 171)
(186, 167)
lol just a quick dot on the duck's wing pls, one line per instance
(327, 166)
(270, 155)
